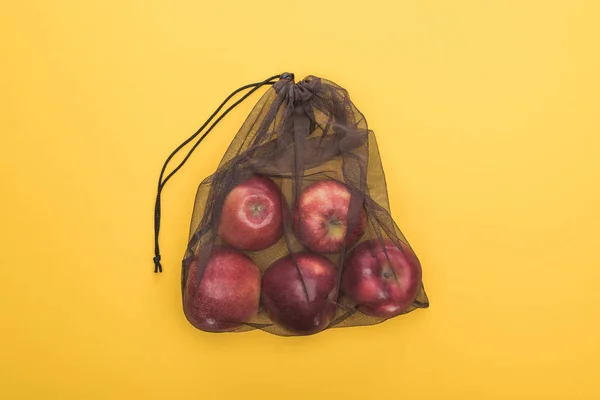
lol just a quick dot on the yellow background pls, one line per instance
(488, 119)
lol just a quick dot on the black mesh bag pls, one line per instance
(292, 234)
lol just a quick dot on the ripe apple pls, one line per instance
(251, 218)
(382, 279)
(321, 217)
(299, 293)
(228, 293)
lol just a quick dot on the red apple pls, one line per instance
(251, 218)
(299, 293)
(382, 279)
(228, 293)
(321, 217)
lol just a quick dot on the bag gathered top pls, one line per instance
(292, 234)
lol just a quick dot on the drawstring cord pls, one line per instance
(162, 182)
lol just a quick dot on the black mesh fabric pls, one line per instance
(296, 135)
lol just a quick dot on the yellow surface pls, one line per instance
(488, 118)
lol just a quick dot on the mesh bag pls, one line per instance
(292, 234)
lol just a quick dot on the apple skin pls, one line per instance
(381, 286)
(228, 294)
(251, 218)
(285, 300)
(321, 217)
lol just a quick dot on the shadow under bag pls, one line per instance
(292, 234)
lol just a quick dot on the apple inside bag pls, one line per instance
(292, 234)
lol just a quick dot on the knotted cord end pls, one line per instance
(157, 265)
